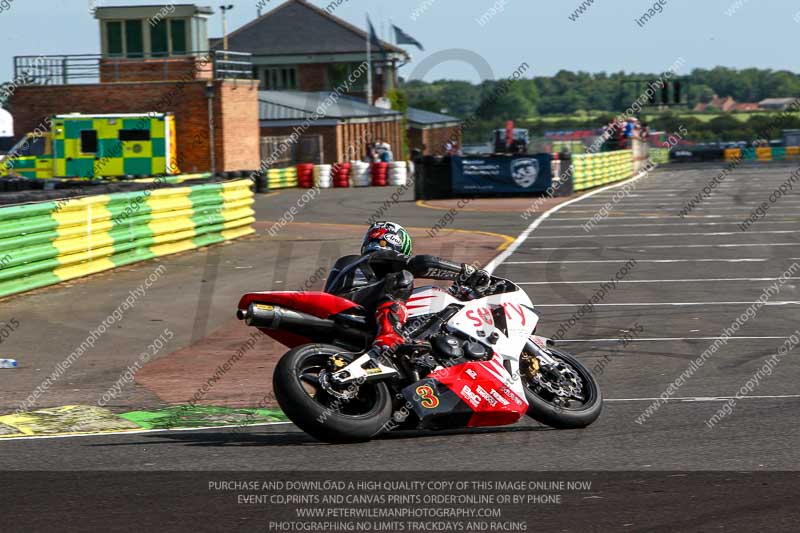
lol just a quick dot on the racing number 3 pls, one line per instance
(428, 397)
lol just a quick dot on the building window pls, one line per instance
(133, 39)
(177, 29)
(159, 43)
(88, 141)
(168, 37)
(279, 78)
(114, 38)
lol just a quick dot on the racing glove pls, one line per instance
(478, 280)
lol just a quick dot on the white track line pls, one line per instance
(703, 280)
(643, 261)
(675, 209)
(137, 431)
(735, 245)
(669, 304)
(724, 203)
(505, 254)
(704, 234)
(612, 216)
(648, 339)
(568, 248)
(681, 224)
(705, 398)
(630, 247)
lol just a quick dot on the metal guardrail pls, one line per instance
(87, 68)
(233, 65)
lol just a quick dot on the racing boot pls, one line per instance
(391, 317)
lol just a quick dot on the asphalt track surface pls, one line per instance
(691, 279)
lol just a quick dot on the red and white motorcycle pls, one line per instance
(471, 360)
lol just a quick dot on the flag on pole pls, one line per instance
(402, 37)
(373, 37)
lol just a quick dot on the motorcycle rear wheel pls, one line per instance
(564, 413)
(320, 414)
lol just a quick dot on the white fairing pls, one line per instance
(475, 319)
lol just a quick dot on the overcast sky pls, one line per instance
(705, 33)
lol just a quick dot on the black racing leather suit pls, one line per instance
(381, 282)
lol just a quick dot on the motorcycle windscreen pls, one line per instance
(465, 395)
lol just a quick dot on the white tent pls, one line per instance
(6, 123)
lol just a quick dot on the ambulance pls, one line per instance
(96, 146)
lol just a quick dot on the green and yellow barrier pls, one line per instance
(591, 170)
(49, 242)
(282, 178)
(573, 147)
(733, 154)
(659, 156)
(764, 153)
(180, 178)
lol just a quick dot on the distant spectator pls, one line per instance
(385, 151)
(380, 147)
(645, 131)
(629, 127)
(372, 153)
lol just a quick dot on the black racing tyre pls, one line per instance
(546, 408)
(315, 411)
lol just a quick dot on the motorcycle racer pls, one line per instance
(464, 357)
(381, 279)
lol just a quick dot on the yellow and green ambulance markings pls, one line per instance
(89, 146)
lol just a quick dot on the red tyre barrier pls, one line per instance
(305, 175)
(341, 169)
(380, 172)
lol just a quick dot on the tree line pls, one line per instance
(569, 92)
(528, 100)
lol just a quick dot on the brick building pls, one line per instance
(153, 58)
(431, 133)
(301, 54)
(228, 104)
(300, 47)
(345, 130)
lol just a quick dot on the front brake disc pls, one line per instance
(569, 384)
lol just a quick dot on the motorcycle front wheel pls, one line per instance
(563, 397)
(353, 414)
